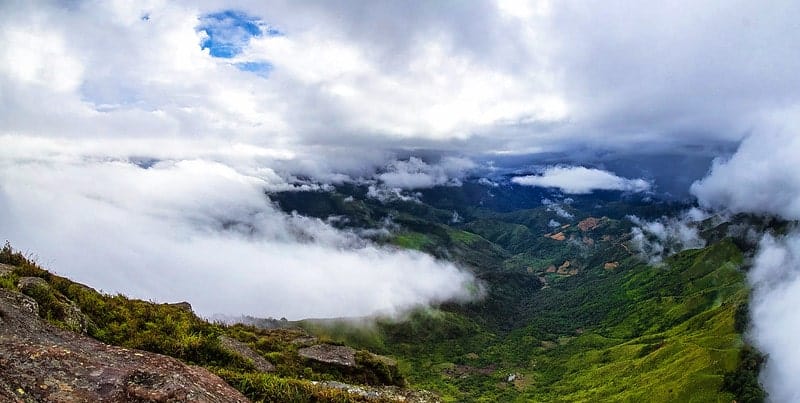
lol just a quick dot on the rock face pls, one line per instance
(237, 347)
(5, 269)
(330, 354)
(39, 362)
(71, 315)
(27, 284)
(183, 305)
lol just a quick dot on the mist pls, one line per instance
(201, 231)
(657, 239)
(763, 177)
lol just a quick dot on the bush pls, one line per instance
(743, 382)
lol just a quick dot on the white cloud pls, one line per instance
(558, 209)
(531, 78)
(417, 174)
(203, 231)
(581, 180)
(762, 177)
(775, 323)
(657, 239)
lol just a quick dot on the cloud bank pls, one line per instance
(201, 231)
(581, 180)
(763, 177)
(537, 76)
(775, 277)
(416, 174)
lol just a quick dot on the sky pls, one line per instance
(134, 133)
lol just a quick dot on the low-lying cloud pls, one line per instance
(763, 177)
(658, 239)
(203, 231)
(417, 174)
(581, 180)
(775, 277)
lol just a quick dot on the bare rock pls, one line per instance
(383, 393)
(235, 346)
(20, 301)
(28, 284)
(5, 269)
(330, 354)
(75, 319)
(39, 362)
(182, 305)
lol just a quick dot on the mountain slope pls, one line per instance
(571, 313)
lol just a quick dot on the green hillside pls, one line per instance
(607, 327)
(570, 312)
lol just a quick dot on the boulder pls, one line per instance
(40, 362)
(330, 354)
(28, 284)
(236, 347)
(182, 305)
(5, 269)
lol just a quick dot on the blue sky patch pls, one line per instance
(261, 68)
(230, 31)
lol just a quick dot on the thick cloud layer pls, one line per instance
(535, 75)
(204, 232)
(416, 174)
(776, 282)
(581, 180)
(763, 177)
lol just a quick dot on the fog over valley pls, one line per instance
(345, 159)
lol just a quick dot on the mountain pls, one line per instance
(568, 309)
(572, 312)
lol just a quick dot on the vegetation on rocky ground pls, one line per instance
(174, 330)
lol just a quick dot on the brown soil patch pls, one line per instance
(567, 269)
(589, 224)
(558, 237)
(551, 269)
(611, 265)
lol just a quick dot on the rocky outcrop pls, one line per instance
(30, 284)
(259, 363)
(385, 393)
(69, 312)
(5, 270)
(330, 354)
(182, 305)
(40, 362)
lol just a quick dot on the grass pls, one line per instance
(174, 331)
(638, 333)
